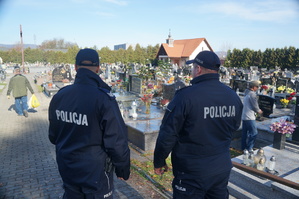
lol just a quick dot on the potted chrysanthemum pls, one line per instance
(281, 129)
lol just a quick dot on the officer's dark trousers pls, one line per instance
(213, 187)
(73, 192)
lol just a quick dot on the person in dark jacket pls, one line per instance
(19, 84)
(197, 128)
(89, 133)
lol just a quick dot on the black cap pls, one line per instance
(206, 59)
(87, 57)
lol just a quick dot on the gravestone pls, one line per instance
(58, 74)
(186, 71)
(266, 81)
(295, 135)
(242, 85)
(246, 77)
(297, 85)
(135, 84)
(291, 85)
(122, 76)
(108, 72)
(266, 104)
(281, 82)
(289, 74)
(170, 89)
(61, 73)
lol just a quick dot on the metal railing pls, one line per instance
(264, 174)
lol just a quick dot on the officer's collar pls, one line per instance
(87, 76)
(209, 76)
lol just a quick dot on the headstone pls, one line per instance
(289, 74)
(122, 75)
(242, 85)
(281, 82)
(246, 77)
(295, 135)
(291, 85)
(266, 81)
(297, 85)
(58, 74)
(266, 104)
(108, 72)
(135, 84)
(168, 91)
(186, 71)
(61, 73)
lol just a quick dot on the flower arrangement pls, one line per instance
(292, 98)
(147, 88)
(289, 90)
(284, 102)
(283, 127)
(147, 98)
(281, 88)
(265, 87)
(187, 79)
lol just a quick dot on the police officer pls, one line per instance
(89, 133)
(197, 128)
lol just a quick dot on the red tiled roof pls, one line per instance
(184, 47)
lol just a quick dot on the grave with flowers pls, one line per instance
(140, 92)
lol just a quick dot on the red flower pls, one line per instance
(290, 98)
(293, 94)
(264, 87)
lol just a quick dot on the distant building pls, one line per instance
(122, 46)
(180, 51)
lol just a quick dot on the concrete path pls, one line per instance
(27, 159)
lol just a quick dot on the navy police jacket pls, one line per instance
(197, 128)
(86, 126)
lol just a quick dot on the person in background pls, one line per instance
(89, 133)
(197, 129)
(251, 108)
(19, 84)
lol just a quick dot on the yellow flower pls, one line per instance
(289, 90)
(281, 88)
(284, 102)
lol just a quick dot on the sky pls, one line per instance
(226, 24)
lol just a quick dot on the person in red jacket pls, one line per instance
(89, 133)
(197, 129)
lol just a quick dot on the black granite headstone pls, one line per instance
(266, 81)
(122, 76)
(295, 135)
(58, 74)
(168, 91)
(281, 82)
(266, 104)
(246, 77)
(242, 85)
(135, 84)
(291, 85)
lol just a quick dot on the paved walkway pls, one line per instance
(28, 168)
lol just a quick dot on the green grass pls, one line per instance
(39, 88)
(163, 183)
